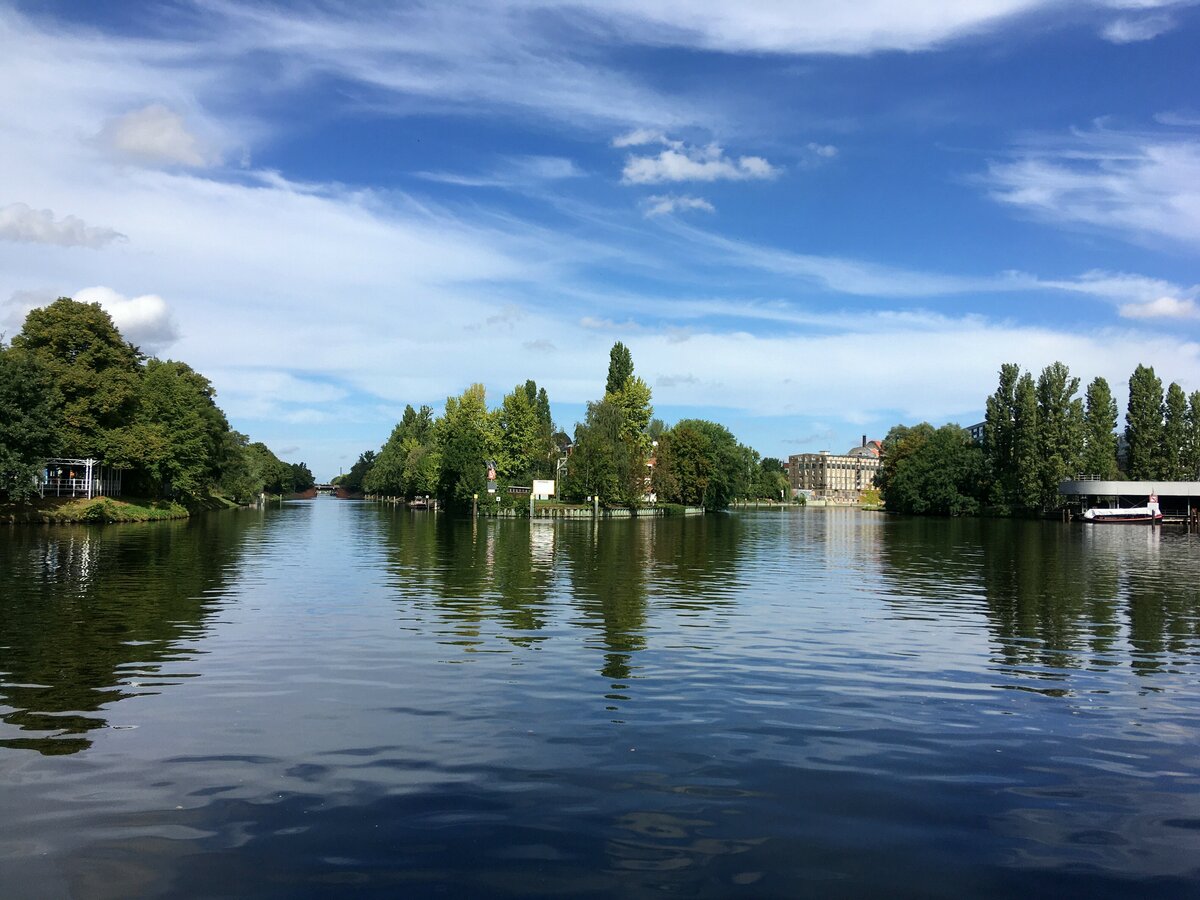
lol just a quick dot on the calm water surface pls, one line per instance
(336, 698)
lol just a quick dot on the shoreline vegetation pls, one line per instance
(115, 510)
(72, 387)
(620, 456)
(98, 510)
(1036, 435)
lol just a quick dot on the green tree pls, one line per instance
(929, 471)
(241, 479)
(467, 438)
(1175, 435)
(1060, 430)
(620, 368)
(93, 374)
(1144, 425)
(1191, 456)
(1099, 431)
(686, 453)
(526, 435)
(403, 466)
(999, 436)
(177, 437)
(27, 423)
(709, 467)
(771, 480)
(1028, 481)
(605, 462)
(302, 477)
(633, 399)
(273, 473)
(611, 444)
(664, 481)
(352, 482)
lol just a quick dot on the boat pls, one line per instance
(1150, 514)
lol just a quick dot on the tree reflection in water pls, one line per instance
(92, 615)
(518, 575)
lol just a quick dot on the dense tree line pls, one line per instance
(72, 386)
(620, 453)
(1037, 434)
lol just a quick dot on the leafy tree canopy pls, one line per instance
(28, 432)
(93, 373)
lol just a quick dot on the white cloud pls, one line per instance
(20, 222)
(1135, 184)
(664, 204)
(682, 163)
(156, 135)
(145, 321)
(825, 151)
(1127, 30)
(1161, 308)
(640, 137)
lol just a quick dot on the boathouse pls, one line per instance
(1177, 499)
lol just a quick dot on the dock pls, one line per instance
(1179, 500)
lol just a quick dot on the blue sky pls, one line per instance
(808, 219)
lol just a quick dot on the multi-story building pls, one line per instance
(976, 432)
(826, 476)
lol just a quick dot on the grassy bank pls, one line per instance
(62, 510)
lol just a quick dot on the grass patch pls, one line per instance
(98, 510)
(107, 509)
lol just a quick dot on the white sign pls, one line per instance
(543, 488)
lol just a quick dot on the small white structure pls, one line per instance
(79, 478)
(543, 488)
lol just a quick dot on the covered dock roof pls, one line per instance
(1143, 489)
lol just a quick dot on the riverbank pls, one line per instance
(103, 510)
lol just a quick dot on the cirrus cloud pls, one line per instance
(1138, 185)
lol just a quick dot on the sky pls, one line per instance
(809, 220)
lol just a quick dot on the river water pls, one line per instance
(336, 698)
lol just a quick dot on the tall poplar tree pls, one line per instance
(1028, 482)
(1060, 430)
(998, 433)
(1191, 453)
(1099, 431)
(1175, 433)
(620, 368)
(1144, 425)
